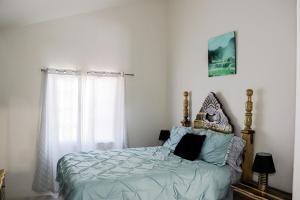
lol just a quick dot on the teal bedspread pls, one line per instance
(139, 173)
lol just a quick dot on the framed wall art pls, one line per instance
(222, 55)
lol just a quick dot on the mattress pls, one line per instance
(139, 173)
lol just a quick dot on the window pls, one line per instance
(62, 102)
(80, 113)
(101, 107)
(103, 111)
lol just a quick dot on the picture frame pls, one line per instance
(222, 55)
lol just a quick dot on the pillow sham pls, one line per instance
(189, 146)
(177, 133)
(216, 146)
(235, 156)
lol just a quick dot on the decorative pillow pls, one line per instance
(190, 146)
(216, 146)
(235, 156)
(177, 133)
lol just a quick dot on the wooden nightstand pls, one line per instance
(249, 191)
(2, 177)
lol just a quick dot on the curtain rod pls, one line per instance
(88, 72)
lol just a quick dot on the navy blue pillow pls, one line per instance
(189, 147)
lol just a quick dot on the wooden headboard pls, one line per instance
(212, 116)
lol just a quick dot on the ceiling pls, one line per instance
(23, 12)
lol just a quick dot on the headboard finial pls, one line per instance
(186, 122)
(249, 92)
(248, 134)
(249, 108)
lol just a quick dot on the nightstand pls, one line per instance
(249, 191)
(2, 177)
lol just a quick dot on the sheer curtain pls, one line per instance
(79, 113)
(104, 113)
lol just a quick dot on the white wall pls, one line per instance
(144, 38)
(3, 118)
(296, 178)
(266, 62)
(131, 38)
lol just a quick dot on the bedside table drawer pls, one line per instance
(244, 195)
(249, 191)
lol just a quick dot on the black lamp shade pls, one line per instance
(263, 163)
(164, 135)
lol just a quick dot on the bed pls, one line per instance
(155, 172)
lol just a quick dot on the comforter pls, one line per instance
(139, 173)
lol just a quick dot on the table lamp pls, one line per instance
(263, 165)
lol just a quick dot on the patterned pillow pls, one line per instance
(177, 133)
(235, 157)
(216, 146)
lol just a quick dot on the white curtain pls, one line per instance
(103, 113)
(80, 113)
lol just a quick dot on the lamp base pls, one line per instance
(263, 182)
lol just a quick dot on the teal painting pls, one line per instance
(222, 55)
